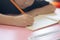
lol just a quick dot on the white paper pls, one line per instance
(42, 21)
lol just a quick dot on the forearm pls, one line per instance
(21, 20)
(6, 19)
(42, 11)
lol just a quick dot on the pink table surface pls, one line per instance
(14, 33)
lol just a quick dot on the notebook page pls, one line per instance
(42, 21)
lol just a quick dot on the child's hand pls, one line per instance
(21, 20)
(25, 20)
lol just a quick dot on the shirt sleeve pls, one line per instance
(0, 6)
(7, 8)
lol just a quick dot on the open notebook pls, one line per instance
(42, 21)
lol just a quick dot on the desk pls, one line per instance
(16, 33)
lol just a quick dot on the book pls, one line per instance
(43, 21)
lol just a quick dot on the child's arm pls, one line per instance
(42, 11)
(22, 20)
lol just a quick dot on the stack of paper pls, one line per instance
(52, 33)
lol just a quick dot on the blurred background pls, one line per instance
(56, 3)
